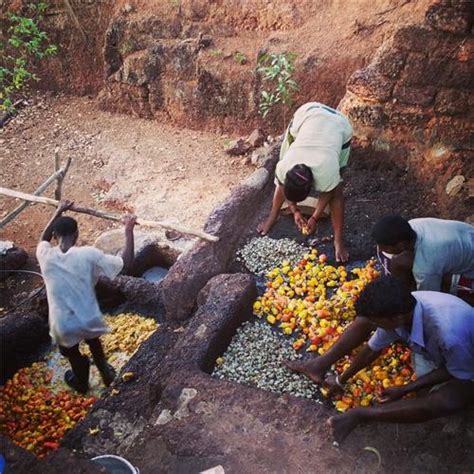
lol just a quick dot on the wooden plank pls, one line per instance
(105, 215)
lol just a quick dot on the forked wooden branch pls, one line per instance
(58, 175)
(105, 215)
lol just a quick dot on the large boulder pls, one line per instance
(11, 258)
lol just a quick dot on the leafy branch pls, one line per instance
(26, 42)
(277, 70)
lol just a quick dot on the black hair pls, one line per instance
(392, 229)
(385, 298)
(65, 226)
(298, 183)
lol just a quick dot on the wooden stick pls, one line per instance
(59, 173)
(105, 215)
(59, 184)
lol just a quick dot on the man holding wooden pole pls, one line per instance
(70, 274)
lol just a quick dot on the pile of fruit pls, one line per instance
(37, 407)
(128, 332)
(313, 302)
(392, 368)
(33, 415)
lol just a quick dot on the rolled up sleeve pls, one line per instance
(382, 338)
(279, 175)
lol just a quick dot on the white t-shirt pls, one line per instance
(319, 133)
(441, 247)
(70, 280)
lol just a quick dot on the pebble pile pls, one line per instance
(255, 357)
(263, 254)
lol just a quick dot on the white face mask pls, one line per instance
(386, 254)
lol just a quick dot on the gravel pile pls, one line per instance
(263, 254)
(255, 357)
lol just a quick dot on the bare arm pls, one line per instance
(356, 333)
(365, 357)
(47, 233)
(323, 200)
(129, 252)
(434, 377)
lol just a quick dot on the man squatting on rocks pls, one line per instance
(314, 151)
(439, 329)
(70, 274)
(424, 252)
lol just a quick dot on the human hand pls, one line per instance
(300, 221)
(391, 394)
(332, 387)
(64, 205)
(311, 225)
(130, 221)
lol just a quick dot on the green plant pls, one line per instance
(240, 57)
(25, 43)
(277, 71)
(216, 52)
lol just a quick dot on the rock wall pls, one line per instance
(414, 102)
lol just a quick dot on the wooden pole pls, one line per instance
(59, 184)
(58, 174)
(105, 215)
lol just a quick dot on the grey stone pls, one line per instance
(238, 147)
(205, 260)
(256, 138)
(12, 258)
(455, 185)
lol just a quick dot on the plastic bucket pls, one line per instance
(116, 464)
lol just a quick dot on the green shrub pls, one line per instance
(25, 43)
(277, 72)
(240, 57)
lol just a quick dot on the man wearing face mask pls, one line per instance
(424, 252)
(437, 249)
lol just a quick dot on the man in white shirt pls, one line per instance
(315, 149)
(70, 274)
(439, 329)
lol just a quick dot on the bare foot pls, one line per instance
(342, 425)
(310, 369)
(264, 227)
(342, 255)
